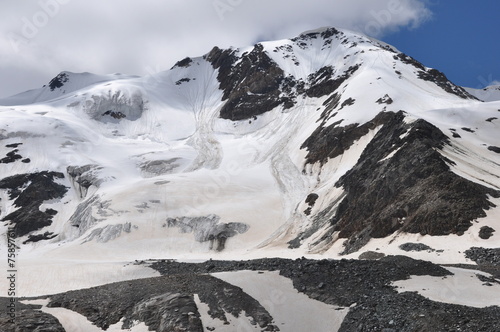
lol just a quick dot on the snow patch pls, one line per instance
(463, 287)
(291, 310)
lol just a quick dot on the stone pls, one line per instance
(486, 232)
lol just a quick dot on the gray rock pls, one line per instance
(167, 312)
(486, 232)
(28, 318)
(164, 303)
(413, 191)
(484, 256)
(368, 285)
(415, 247)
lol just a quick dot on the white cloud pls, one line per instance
(39, 39)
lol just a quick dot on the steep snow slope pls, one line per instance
(318, 144)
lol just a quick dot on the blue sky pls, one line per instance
(462, 39)
(41, 38)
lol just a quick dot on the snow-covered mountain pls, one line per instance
(327, 145)
(489, 93)
(322, 143)
(61, 85)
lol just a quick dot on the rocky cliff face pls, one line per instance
(401, 183)
(28, 192)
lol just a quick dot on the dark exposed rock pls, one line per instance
(434, 76)
(28, 318)
(401, 182)
(374, 305)
(486, 232)
(331, 104)
(415, 247)
(29, 191)
(287, 52)
(348, 102)
(325, 34)
(385, 100)
(410, 313)
(437, 77)
(311, 199)
(28, 218)
(409, 60)
(329, 32)
(488, 280)
(40, 237)
(291, 88)
(365, 287)
(11, 157)
(254, 84)
(32, 321)
(468, 130)
(224, 61)
(321, 82)
(13, 145)
(494, 149)
(250, 87)
(163, 303)
(161, 313)
(324, 81)
(58, 81)
(332, 141)
(182, 80)
(114, 115)
(414, 190)
(184, 63)
(484, 256)
(491, 119)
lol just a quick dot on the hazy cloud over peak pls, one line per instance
(38, 39)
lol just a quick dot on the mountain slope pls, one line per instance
(64, 83)
(490, 93)
(323, 143)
